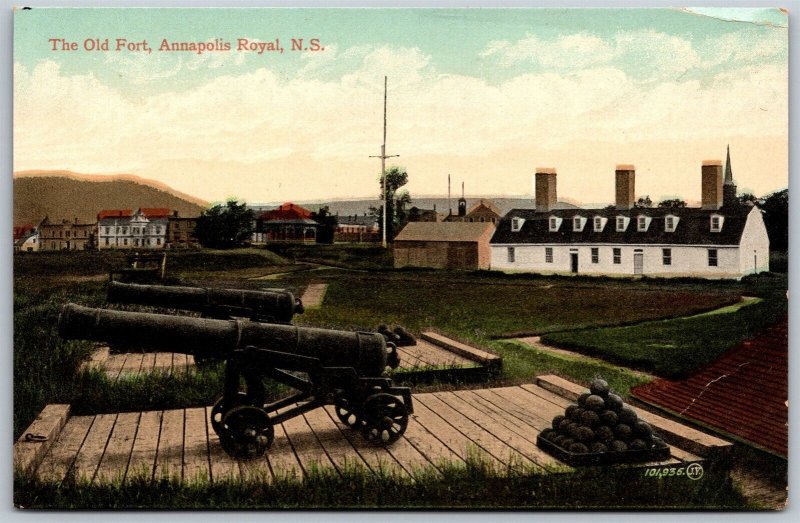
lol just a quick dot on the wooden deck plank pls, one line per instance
(515, 401)
(59, 459)
(148, 362)
(223, 467)
(536, 457)
(132, 365)
(467, 351)
(145, 446)
(114, 463)
(441, 357)
(410, 359)
(163, 362)
(452, 438)
(502, 452)
(511, 430)
(91, 452)
(169, 459)
(195, 447)
(114, 365)
(339, 449)
(283, 461)
(33, 444)
(309, 452)
(436, 452)
(376, 457)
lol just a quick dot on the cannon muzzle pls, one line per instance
(366, 352)
(277, 305)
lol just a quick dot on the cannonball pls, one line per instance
(584, 434)
(566, 443)
(614, 402)
(609, 417)
(595, 403)
(623, 432)
(570, 411)
(557, 439)
(576, 414)
(598, 447)
(582, 399)
(557, 421)
(572, 430)
(546, 433)
(590, 419)
(604, 433)
(627, 415)
(643, 430)
(578, 448)
(599, 386)
(637, 444)
(618, 446)
(564, 425)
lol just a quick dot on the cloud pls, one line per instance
(264, 118)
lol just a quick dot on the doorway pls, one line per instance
(574, 261)
(638, 263)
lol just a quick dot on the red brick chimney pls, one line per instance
(545, 189)
(625, 186)
(711, 189)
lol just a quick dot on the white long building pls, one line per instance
(721, 239)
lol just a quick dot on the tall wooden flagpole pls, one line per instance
(383, 158)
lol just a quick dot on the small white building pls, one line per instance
(146, 228)
(28, 242)
(722, 239)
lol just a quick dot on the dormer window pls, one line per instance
(716, 223)
(578, 223)
(622, 223)
(599, 223)
(516, 224)
(642, 223)
(554, 223)
(670, 223)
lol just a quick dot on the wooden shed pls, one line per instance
(444, 245)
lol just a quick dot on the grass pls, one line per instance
(352, 255)
(674, 348)
(473, 485)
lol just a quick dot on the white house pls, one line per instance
(124, 229)
(721, 239)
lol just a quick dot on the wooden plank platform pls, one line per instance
(313, 295)
(673, 432)
(34, 443)
(422, 356)
(496, 425)
(472, 353)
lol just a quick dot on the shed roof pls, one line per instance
(445, 231)
(743, 393)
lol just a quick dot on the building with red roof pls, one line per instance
(287, 223)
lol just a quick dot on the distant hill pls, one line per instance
(351, 207)
(63, 195)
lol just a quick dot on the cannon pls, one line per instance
(272, 306)
(326, 367)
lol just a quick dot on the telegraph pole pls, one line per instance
(383, 158)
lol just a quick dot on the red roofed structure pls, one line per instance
(287, 223)
(21, 230)
(287, 211)
(743, 394)
(155, 212)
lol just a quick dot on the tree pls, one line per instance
(747, 199)
(327, 222)
(396, 177)
(776, 219)
(643, 202)
(225, 226)
(675, 203)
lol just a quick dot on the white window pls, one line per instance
(670, 222)
(516, 224)
(716, 223)
(106, 241)
(548, 255)
(622, 223)
(511, 255)
(576, 223)
(666, 256)
(595, 255)
(617, 256)
(108, 230)
(599, 223)
(555, 223)
(641, 223)
(712, 257)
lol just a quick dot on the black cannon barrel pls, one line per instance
(278, 304)
(364, 351)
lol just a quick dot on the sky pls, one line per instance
(483, 95)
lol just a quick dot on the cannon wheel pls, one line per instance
(385, 418)
(346, 412)
(247, 432)
(219, 409)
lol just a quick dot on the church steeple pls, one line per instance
(728, 172)
(728, 187)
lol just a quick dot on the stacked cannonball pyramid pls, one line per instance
(601, 422)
